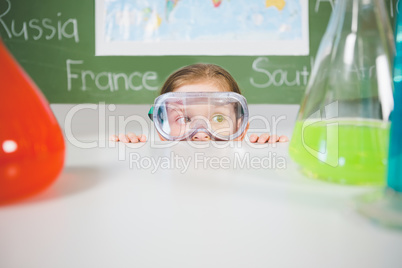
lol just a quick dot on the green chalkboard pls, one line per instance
(54, 41)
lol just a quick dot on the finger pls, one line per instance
(132, 137)
(283, 138)
(273, 139)
(142, 138)
(114, 138)
(263, 138)
(123, 138)
(253, 138)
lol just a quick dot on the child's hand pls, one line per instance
(130, 137)
(267, 138)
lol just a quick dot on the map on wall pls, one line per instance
(202, 27)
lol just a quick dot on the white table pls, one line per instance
(103, 213)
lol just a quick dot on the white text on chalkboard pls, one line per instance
(318, 2)
(40, 28)
(277, 77)
(108, 80)
(332, 2)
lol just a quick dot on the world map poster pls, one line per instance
(202, 27)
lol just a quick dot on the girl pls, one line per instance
(200, 102)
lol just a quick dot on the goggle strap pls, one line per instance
(151, 113)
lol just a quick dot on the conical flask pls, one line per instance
(31, 143)
(342, 129)
(394, 175)
(385, 206)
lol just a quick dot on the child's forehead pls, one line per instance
(201, 87)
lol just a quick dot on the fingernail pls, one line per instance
(273, 139)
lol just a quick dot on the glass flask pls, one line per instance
(342, 129)
(31, 142)
(394, 178)
(385, 207)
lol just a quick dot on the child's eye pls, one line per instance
(183, 120)
(218, 118)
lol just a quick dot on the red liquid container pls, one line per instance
(31, 142)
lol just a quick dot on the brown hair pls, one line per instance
(201, 72)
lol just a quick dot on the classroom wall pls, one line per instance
(54, 41)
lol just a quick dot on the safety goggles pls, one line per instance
(182, 115)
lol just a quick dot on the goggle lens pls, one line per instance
(178, 117)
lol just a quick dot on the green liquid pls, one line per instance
(342, 151)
